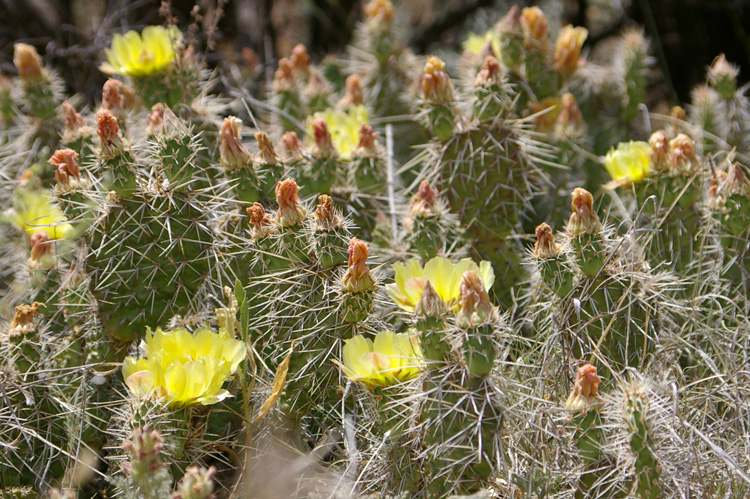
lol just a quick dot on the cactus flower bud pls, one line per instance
(535, 26)
(41, 251)
(27, 62)
(545, 246)
(196, 483)
(357, 278)
(290, 148)
(66, 162)
(323, 146)
(354, 93)
(300, 60)
(379, 15)
(144, 451)
(234, 155)
(659, 150)
(568, 49)
(267, 155)
(283, 78)
(109, 134)
(73, 120)
(474, 305)
(367, 147)
(489, 73)
(682, 153)
(116, 96)
(723, 76)
(585, 391)
(737, 181)
(430, 304)
(423, 200)
(436, 84)
(262, 222)
(290, 210)
(325, 215)
(583, 219)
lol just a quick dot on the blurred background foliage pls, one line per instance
(71, 34)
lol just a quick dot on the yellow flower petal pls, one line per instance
(183, 367)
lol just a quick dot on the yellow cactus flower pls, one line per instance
(630, 162)
(184, 368)
(33, 212)
(344, 127)
(475, 43)
(390, 359)
(144, 54)
(444, 275)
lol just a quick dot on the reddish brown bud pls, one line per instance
(290, 210)
(234, 155)
(489, 73)
(73, 121)
(284, 76)
(367, 145)
(116, 96)
(357, 277)
(354, 94)
(584, 218)
(109, 133)
(545, 246)
(325, 214)
(659, 150)
(66, 162)
(300, 60)
(267, 155)
(41, 250)
(262, 222)
(323, 146)
(289, 148)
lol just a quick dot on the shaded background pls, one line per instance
(686, 35)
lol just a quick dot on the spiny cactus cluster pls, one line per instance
(352, 304)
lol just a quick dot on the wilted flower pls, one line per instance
(144, 54)
(184, 368)
(234, 155)
(583, 219)
(586, 389)
(68, 171)
(357, 277)
(545, 246)
(444, 276)
(390, 359)
(630, 162)
(290, 209)
(343, 127)
(33, 211)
